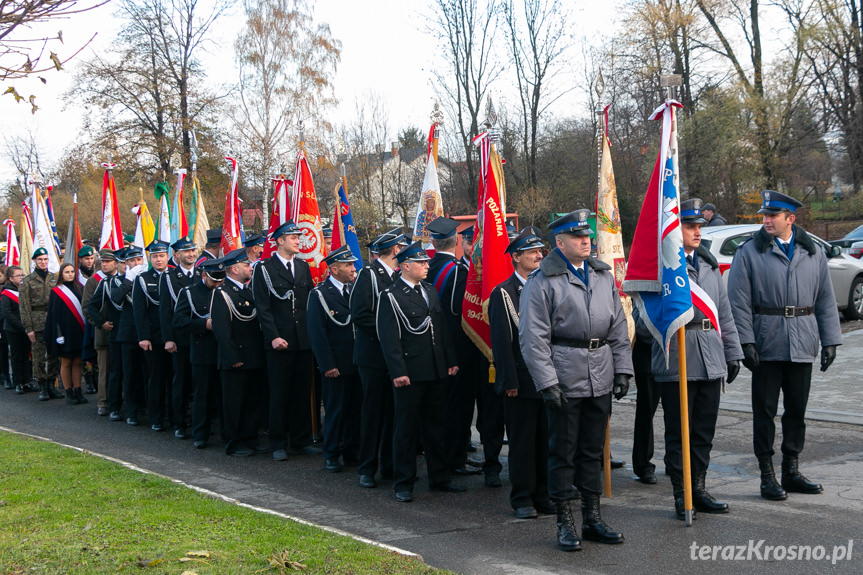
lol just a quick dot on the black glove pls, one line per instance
(620, 387)
(750, 356)
(553, 397)
(828, 354)
(733, 370)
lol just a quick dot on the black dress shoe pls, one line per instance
(307, 450)
(367, 481)
(242, 452)
(448, 487)
(493, 480)
(525, 512)
(260, 449)
(466, 471)
(280, 455)
(404, 496)
(19, 389)
(132, 421)
(332, 465)
(157, 427)
(102, 411)
(648, 478)
(545, 507)
(180, 433)
(115, 416)
(616, 464)
(200, 444)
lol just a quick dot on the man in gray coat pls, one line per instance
(713, 354)
(783, 302)
(573, 336)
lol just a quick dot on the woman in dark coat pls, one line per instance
(13, 329)
(64, 331)
(4, 342)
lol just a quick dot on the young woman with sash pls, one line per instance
(64, 331)
(13, 329)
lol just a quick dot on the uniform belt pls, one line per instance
(700, 324)
(787, 311)
(590, 344)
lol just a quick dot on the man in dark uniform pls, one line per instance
(108, 266)
(191, 319)
(712, 357)
(254, 245)
(783, 303)
(211, 249)
(448, 275)
(332, 337)
(419, 356)
(574, 340)
(376, 435)
(328, 238)
(177, 341)
(526, 422)
(281, 286)
(127, 336)
(240, 356)
(104, 314)
(145, 305)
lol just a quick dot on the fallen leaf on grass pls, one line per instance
(205, 554)
(189, 573)
(145, 563)
(283, 560)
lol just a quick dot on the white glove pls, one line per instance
(133, 272)
(60, 340)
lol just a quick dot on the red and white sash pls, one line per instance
(100, 275)
(705, 305)
(11, 294)
(82, 279)
(71, 301)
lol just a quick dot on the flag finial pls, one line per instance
(670, 82)
(437, 115)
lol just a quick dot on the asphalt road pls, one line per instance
(475, 532)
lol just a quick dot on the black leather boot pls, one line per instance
(704, 501)
(679, 500)
(593, 528)
(43, 391)
(19, 389)
(567, 538)
(793, 481)
(70, 397)
(770, 488)
(52, 391)
(90, 382)
(79, 396)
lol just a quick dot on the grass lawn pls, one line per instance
(62, 511)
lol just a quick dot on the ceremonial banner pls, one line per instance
(179, 225)
(232, 228)
(490, 265)
(145, 230)
(307, 215)
(49, 205)
(26, 237)
(279, 214)
(200, 223)
(344, 232)
(163, 222)
(13, 253)
(112, 234)
(609, 237)
(430, 204)
(43, 236)
(656, 277)
(73, 236)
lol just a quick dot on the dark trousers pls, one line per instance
(241, 410)
(182, 386)
(134, 382)
(206, 400)
(703, 401)
(794, 380)
(343, 399)
(646, 403)
(376, 422)
(527, 430)
(158, 383)
(576, 437)
(4, 355)
(291, 376)
(491, 429)
(461, 394)
(114, 395)
(419, 406)
(19, 346)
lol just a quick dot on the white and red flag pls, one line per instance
(112, 233)
(307, 215)
(26, 237)
(490, 264)
(232, 229)
(279, 214)
(43, 235)
(13, 253)
(430, 203)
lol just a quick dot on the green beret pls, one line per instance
(86, 251)
(40, 252)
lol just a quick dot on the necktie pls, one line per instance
(346, 292)
(580, 272)
(290, 270)
(690, 261)
(419, 291)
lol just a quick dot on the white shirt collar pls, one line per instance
(390, 271)
(407, 281)
(339, 285)
(284, 261)
(521, 279)
(188, 272)
(239, 285)
(446, 253)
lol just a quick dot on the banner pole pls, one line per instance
(684, 424)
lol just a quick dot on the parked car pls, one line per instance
(855, 235)
(846, 272)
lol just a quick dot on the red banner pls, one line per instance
(490, 264)
(112, 234)
(307, 215)
(232, 228)
(278, 215)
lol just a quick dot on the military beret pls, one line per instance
(86, 251)
(39, 252)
